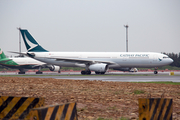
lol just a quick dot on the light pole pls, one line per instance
(20, 55)
(126, 26)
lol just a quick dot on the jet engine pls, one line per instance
(98, 67)
(54, 68)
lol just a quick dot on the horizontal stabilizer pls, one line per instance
(18, 53)
(3, 61)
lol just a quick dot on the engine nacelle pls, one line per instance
(54, 68)
(98, 67)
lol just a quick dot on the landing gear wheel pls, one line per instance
(39, 72)
(21, 72)
(83, 72)
(59, 71)
(100, 72)
(155, 72)
(97, 72)
(86, 72)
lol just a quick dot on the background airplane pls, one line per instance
(99, 62)
(25, 63)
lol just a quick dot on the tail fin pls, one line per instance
(2, 55)
(30, 42)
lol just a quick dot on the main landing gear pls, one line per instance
(39, 71)
(21, 72)
(83, 72)
(100, 72)
(86, 71)
(155, 70)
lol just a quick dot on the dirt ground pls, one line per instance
(95, 99)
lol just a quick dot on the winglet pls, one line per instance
(30, 43)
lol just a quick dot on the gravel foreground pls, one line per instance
(95, 99)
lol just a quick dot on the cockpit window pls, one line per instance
(165, 57)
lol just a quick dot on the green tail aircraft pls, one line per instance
(25, 63)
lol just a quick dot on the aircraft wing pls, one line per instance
(42, 65)
(85, 61)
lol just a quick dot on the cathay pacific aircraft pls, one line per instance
(99, 62)
(25, 63)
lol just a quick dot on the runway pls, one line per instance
(112, 76)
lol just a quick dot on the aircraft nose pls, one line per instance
(171, 60)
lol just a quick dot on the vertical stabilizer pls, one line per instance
(2, 55)
(30, 42)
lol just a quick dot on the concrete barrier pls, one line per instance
(155, 109)
(56, 112)
(13, 108)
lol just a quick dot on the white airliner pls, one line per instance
(99, 62)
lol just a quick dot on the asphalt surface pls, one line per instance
(111, 76)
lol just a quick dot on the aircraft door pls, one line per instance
(154, 58)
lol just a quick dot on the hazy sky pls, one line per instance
(92, 25)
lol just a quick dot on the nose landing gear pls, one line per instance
(155, 70)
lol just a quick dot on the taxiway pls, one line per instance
(111, 76)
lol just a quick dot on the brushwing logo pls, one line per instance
(160, 59)
(32, 45)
